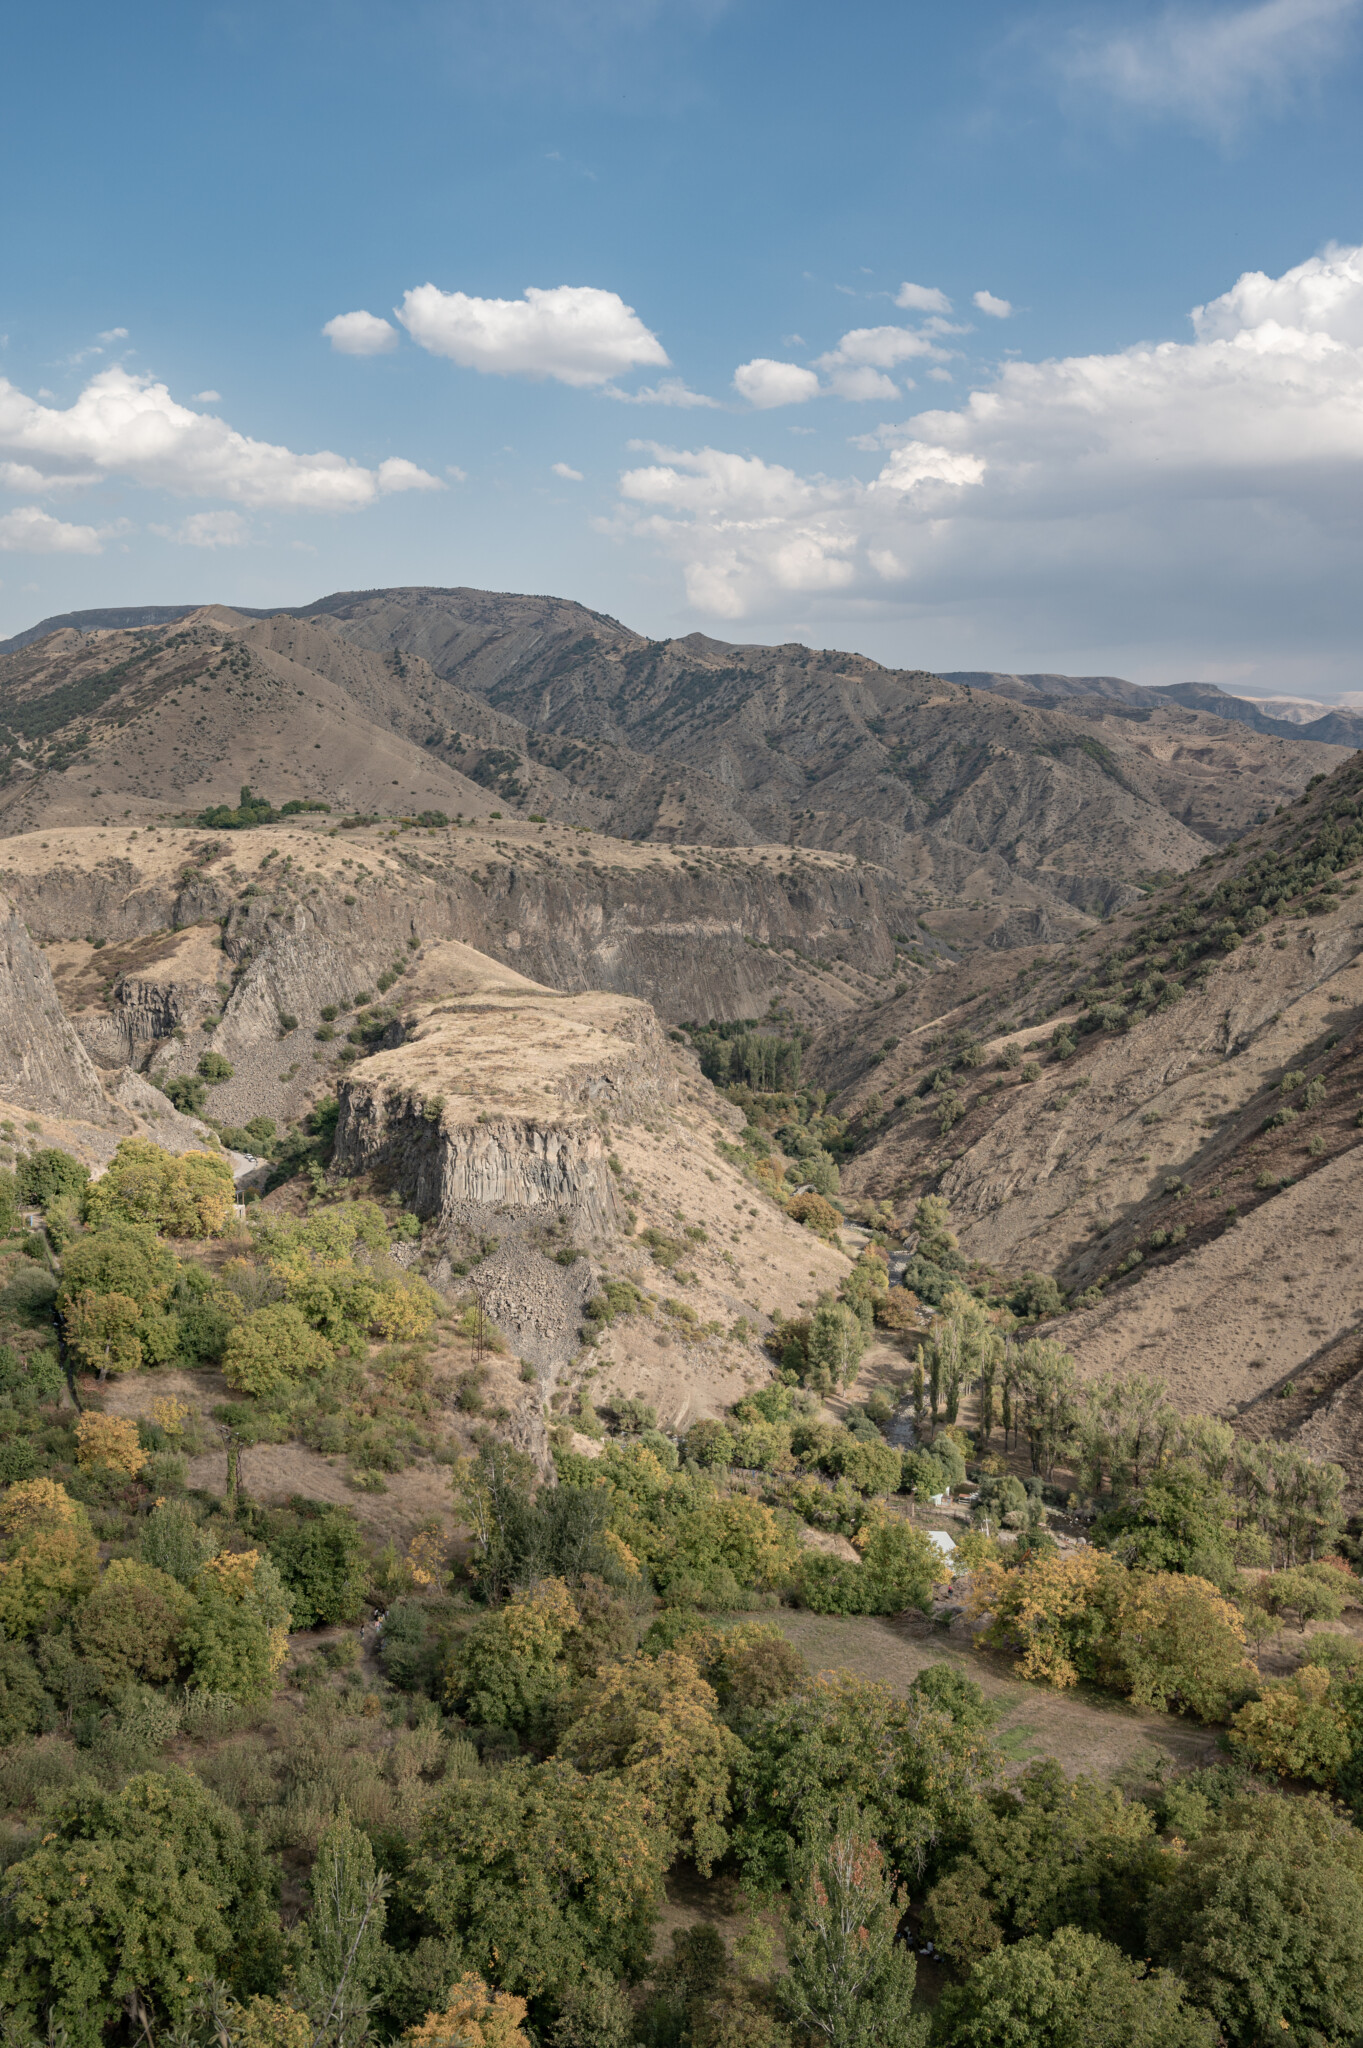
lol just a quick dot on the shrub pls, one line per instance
(1295, 1729)
(214, 1068)
(273, 1348)
(816, 1214)
(186, 1092)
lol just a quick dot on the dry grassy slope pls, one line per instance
(833, 749)
(1070, 1173)
(199, 710)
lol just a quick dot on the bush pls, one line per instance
(130, 1626)
(214, 1068)
(816, 1214)
(236, 1635)
(186, 1092)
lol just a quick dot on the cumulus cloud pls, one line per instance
(360, 334)
(575, 334)
(221, 529)
(766, 383)
(128, 426)
(1210, 483)
(1210, 66)
(114, 334)
(207, 397)
(28, 530)
(922, 298)
(997, 309)
(571, 476)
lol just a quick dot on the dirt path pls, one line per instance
(1086, 1732)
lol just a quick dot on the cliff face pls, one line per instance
(495, 1102)
(43, 1064)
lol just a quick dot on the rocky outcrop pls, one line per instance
(498, 1099)
(43, 1064)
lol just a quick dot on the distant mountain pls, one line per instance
(1333, 728)
(1003, 810)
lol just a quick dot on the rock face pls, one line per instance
(43, 1064)
(494, 1102)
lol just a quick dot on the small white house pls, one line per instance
(939, 1540)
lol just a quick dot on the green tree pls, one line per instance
(104, 1331)
(321, 1558)
(1050, 1405)
(188, 1194)
(343, 1952)
(1071, 1991)
(836, 1343)
(272, 1349)
(511, 1670)
(235, 1636)
(172, 1541)
(131, 1902)
(654, 1721)
(914, 1773)
(119, 1258)
(1044, 1854)
(532, 1872)
(932, 1222)
(848, 1980)
(130, 1626)
(49, 1176)
(24, 1703)
(1263, 1919)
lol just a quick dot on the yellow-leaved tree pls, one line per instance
(654, 1720)
(51, 1559)
(185, 1194)
(473, 2018)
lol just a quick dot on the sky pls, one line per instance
(990, 337)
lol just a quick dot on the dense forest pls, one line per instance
(562, 1777)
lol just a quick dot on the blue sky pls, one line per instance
(784, 211)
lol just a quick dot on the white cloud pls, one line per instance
(114, 334)
(765, 383)
(208, 530)
(922, 298)
(997, 309)
(29, 531)
(128, 426)
(1205, 488)
(207, 397)
(1208, 66)
(360, 334)
(22, 476)
(881, 346)
(667, 391)
(863, 383)
(571, 476)
(575, 334)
